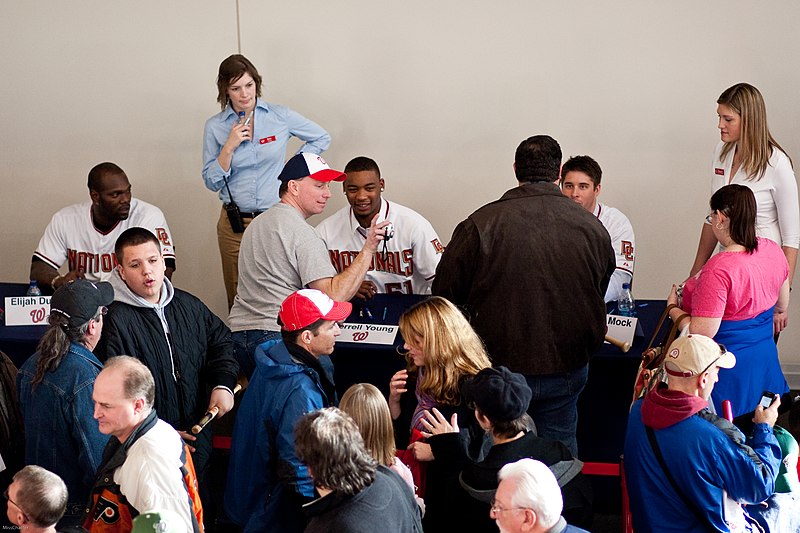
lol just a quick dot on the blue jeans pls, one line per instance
(554, 405)
(244, 347)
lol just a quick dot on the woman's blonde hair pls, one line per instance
(366, 405)
(452, 348)
(755, 142)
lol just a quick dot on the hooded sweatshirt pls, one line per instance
(181, 341)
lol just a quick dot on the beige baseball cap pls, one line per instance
(691, 355)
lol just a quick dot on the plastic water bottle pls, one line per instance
(626, 305)
(33, 289)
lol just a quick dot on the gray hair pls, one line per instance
(536, 488)
(41, 495)
(54, 344)
(137, 379)
(328, 441)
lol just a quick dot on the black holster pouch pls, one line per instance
(235, 217)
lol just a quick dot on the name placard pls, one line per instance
(27, 310)
(621, 328)
(368, 333)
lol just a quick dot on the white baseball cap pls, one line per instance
(691, 355)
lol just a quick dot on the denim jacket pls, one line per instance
(61, 434)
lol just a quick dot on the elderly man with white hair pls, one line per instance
(528, 500)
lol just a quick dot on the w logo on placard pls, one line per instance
(359, 336)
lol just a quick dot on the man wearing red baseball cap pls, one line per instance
(267, 483)
(282, 253)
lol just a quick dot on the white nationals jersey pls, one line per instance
(71, 237)
(621, 232)
(409, 264)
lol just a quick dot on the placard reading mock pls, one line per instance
(622, 328)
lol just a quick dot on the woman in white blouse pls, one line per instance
(748, 155)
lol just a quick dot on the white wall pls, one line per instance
(439, 93)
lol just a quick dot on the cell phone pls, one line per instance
(767, 398)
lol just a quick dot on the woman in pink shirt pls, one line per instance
(733, 297)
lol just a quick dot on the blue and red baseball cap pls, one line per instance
(306, 165)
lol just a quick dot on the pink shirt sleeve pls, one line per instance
(710, 294)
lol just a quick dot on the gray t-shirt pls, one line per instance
(280, 253)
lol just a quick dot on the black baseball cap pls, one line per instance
(500, 394)
(79, 300)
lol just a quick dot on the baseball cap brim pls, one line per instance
(328, 174)
(106, 292)
(339, 311)
(728, 360)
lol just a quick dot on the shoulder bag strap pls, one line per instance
(661, 320)
(651, 436)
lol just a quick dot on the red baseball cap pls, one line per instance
(304, 307)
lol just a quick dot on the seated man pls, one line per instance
(55, 391)
(528, 500)
(145, 463)
(354, 489)
(686, 468)
(184, 344)
(281, 253)
(267, 483)
(580, 181)
(36, 500)
(407, 262)
(83, 235)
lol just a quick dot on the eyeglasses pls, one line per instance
(708, 218)
(722, 352)
(101, 312)
(5, 495)
(496, 509)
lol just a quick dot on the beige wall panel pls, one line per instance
(440, 93)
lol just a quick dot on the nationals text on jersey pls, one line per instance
(88, 262)
(400, 262)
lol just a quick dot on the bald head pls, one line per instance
(123, 396)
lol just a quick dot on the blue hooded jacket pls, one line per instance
(267, 483)
(709, 458)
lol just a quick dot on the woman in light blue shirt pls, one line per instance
(244, 149)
